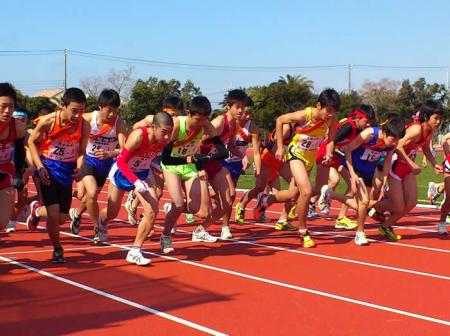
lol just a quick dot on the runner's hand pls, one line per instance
(279, 154)
(438, 169)
(141, 186)
(101, 154)
(44, 176)
(203, 175)
(76, 174)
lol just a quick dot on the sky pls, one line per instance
(254, 37)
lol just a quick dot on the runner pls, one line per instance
(62, 136)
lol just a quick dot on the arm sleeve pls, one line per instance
(342, 133)
(19, 155)
(169, 160)
(124, 168)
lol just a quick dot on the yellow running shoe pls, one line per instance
(293, 213)
(239, 214)
(285, 226)
(190, 218)
(307, 241)
(345, 223)
(389, 233)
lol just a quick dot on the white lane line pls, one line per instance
(115, 298)
(297, 288)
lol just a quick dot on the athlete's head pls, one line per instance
(73, 104)
(162, 125)
(431, 112)
(328, 103)
(393, 129)
(199, 111)
(21, 113)
(248, 110)
(363, 115)
(45, 109)
(108, 103)
(8, 98)
(173, 105)
(236, 101)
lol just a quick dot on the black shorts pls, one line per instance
(99, 175)
(56, 193)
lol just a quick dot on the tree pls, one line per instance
(381, 95)
(348, 102)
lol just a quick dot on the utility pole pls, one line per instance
(65, 69)
(349, 79)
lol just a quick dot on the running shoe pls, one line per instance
(33, 219)
(166, 244)
(58, 256)
(442, 228)
(11, 227)
(312, 212)
(167, 207)
(259, 209)
(239, 214)
(135, 256)
(74, 221)
(100, 234)
(433, 192)
(293, 213)
(263, 219)
(307, 241)
(360, 238)
(376, 216)
(345, 223)
(389, 233)
(285, 225)
(325, 199)
(190, 218)
(203, 236)
(225, 234)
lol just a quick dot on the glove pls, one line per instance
(140, 186)
(18, 183)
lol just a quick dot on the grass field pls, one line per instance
(247, 181)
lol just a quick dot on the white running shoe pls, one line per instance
(135, 256)
(360, 238)
(166, 244)
(442, 228)
(75, 221)
(325, 199)
(11, 227)
(167, 207)
(225, 234)
(432, 192)
(203, 236)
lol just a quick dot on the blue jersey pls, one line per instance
(366, 157)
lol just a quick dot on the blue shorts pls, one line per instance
(97, 168)
(121, 182)
(235, 168)
(61, 172)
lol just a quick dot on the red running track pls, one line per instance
(261, 283)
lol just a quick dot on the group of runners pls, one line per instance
(199, 161)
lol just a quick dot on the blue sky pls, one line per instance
(233, 33)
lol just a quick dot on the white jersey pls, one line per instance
(107, 141)
(243, 139)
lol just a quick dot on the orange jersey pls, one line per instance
(62, 143)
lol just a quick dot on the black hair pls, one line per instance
(162, 118)
(7, 90)
(329, 98)
(73, 95)
(200, 105)
(174, 103)
(393, 126)
(21, 108)
(296, 107)
(250, 102)
(108, 97)
(236, 96)
(429, 108)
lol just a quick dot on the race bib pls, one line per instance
(139, 163)
(186, 150)
(107, 144)
(63, 151)
(371, 155)
(307, 143)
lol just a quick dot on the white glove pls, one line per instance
(140, 186)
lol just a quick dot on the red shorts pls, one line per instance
(335, 161)
(446, 165)
(212, 167)
(7, 171)
(400, 169)
(269, 160)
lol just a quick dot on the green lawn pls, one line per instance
(247, 181)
